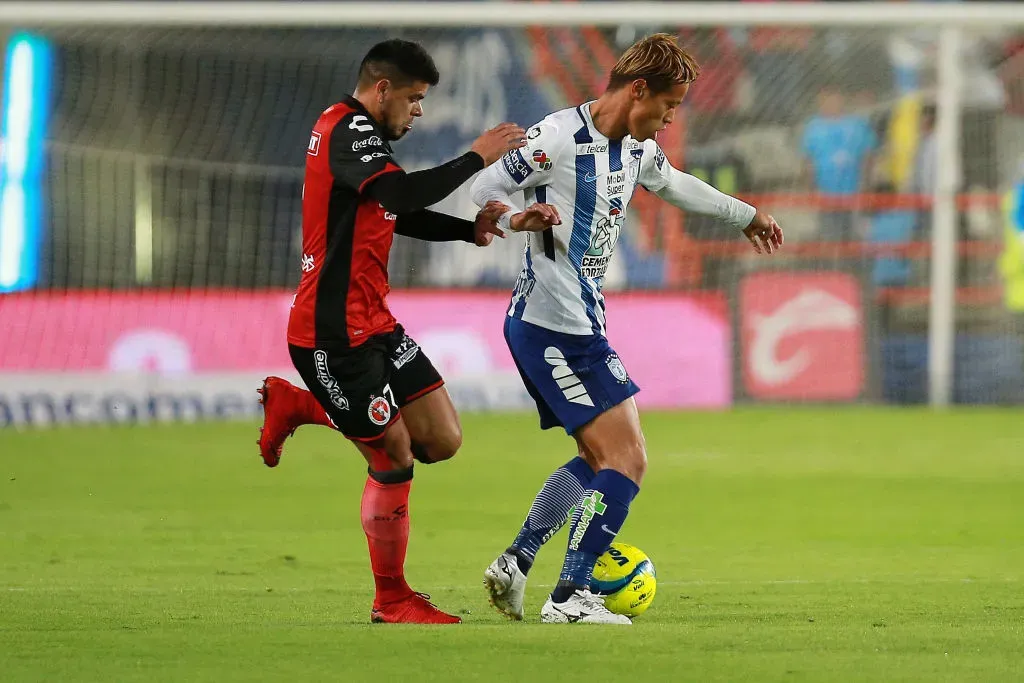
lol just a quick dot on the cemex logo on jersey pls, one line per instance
(802, 335)
(606, 234)
(516, 166)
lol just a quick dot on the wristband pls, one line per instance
(505, 221)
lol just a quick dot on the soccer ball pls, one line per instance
(624, 577)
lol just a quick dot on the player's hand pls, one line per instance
(537, 217)
(493, 144)
(764, 233)
(486, 225)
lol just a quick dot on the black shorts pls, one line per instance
(364, 388)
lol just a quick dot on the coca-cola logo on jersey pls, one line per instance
(802, 336)
(372, 141)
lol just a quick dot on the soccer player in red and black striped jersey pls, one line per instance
(366, 377)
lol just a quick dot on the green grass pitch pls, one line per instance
(791, 545)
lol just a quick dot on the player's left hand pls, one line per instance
(764, 233)
(486, 225)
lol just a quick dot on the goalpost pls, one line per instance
(154, 148)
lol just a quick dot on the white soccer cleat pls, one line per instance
(582, 608)
(506, 586)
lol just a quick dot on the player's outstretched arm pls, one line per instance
(496, 187)
(499, 141)
(693, 194)
(401, 192)
(432, 226)
(520, 169)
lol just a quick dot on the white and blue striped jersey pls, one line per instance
(590, 179)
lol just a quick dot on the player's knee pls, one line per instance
(442, 443)
(400, 461)
(447, 443)
(641, 458)
(399, 457)
(631, 461)
(637, 465)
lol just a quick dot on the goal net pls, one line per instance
(150, 237)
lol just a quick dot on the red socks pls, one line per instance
(385, 517)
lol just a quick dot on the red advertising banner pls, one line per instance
(802, 336)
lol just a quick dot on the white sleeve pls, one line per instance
(528, 166)
(690, 193)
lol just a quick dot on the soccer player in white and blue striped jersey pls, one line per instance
(577, 173)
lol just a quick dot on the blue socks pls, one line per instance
(550, 510)
(595, 523)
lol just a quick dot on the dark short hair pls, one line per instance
(400, 61)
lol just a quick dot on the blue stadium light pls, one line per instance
(22, 130)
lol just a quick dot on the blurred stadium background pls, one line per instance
(150, 180)
(152, 189)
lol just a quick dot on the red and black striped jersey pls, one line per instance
(346, 234)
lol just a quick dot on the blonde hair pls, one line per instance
(659, 60)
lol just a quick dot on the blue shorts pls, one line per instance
(573, 378)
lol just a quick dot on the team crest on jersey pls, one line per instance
(379, 411)
(634, 164)
(617, 369)
(542, 160)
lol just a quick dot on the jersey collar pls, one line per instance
(589, 120)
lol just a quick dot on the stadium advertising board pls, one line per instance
(802, 336)
(144, 356)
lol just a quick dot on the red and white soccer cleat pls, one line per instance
(414, 609)
(284, 410)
